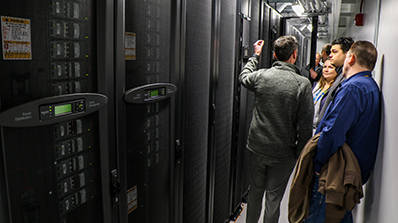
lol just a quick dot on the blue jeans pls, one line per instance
(317, 207)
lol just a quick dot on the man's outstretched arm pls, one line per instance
(249, 73)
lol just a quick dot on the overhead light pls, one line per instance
(298, 9)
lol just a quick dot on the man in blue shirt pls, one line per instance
(353, 117)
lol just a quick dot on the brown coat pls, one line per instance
(340, 181)
(300, 190)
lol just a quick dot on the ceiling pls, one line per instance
(334, 16)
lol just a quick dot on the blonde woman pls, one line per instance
(321, 89)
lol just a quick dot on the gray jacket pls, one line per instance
(283, 112)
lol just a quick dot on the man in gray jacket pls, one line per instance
(281, 125)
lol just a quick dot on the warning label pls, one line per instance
(16, 38)
(130, 46)
(132, 202)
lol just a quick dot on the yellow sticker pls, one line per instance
(132, 201)
(16, 38)
(130, 46)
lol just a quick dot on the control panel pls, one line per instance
(53, 111)
(150, 93)
(155, 93)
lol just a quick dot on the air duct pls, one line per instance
(311, 4)
(318, 5)
(322, 19)
(303, 4)
(298, 9)
(283, 6)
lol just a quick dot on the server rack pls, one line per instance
(304, 42)
(146, 83)
(211, 148)
(55, 108)
(266, 56)
(240, 118)
(272, 28)
(178, 59)
(196, 108)
(221, 104)
(264, 23)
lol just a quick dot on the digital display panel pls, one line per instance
(154, 93)
(62, 109)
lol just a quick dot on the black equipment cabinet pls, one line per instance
(54, 113)
(145, 100)
(257, 21)
(242, 101)
(272, 28)
(223, 80)
(304, 42)
(196, 108)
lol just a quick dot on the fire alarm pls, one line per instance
(359, 19)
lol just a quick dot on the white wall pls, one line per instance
(386, 180)
(366, 32)
(381, 201)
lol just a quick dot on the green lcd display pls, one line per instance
(154, 93)
(62, 109)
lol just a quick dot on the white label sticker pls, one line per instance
(16, 38)
(76, 10)
(130, 46)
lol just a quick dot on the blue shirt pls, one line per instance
(352, 117)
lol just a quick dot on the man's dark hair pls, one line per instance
(344, 42)
(365, 53)
(284, 46)
(327, 48)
